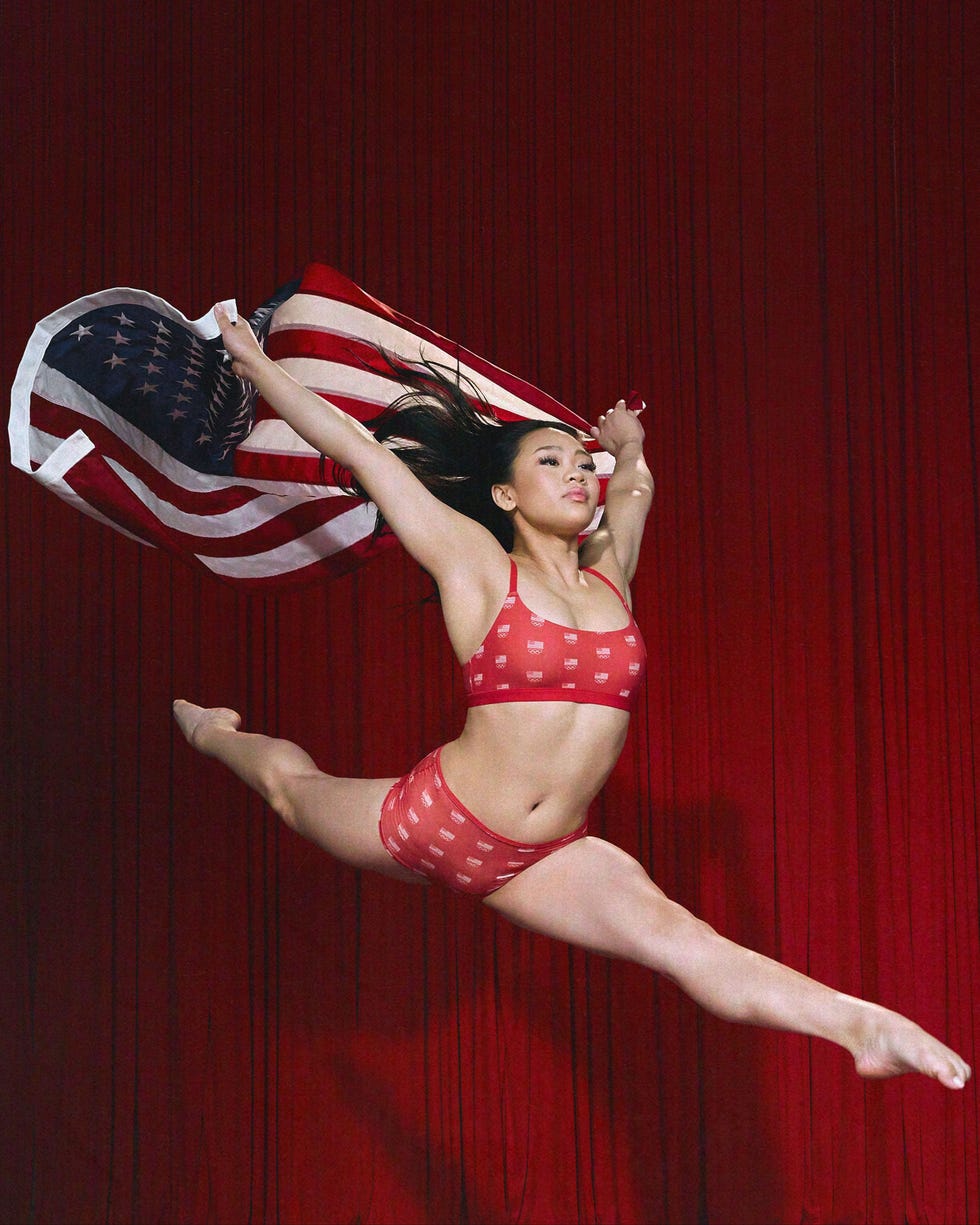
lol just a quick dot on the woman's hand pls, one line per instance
(618, 427)
(240, 344)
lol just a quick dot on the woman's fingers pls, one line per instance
(241, 347)
(228, 309)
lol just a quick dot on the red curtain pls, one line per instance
(761, 214)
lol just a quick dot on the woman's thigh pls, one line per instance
(341, 816)
(594, 895)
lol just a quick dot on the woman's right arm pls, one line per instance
(628, 494)
(450, 546)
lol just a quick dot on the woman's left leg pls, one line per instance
(339, 814)
(596, 896)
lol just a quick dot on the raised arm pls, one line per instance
(450, 546)
(629, 494)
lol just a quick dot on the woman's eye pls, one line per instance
(588, 467)
(549, 459)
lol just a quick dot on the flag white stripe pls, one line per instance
(218, 526)
(324, 541)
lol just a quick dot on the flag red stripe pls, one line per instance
(94, 480)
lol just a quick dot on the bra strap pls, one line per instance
(609, 583)
(513, 577)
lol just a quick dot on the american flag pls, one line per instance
(128, 410)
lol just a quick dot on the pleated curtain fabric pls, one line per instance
(761, 215)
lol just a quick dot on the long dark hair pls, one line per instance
(445, 431)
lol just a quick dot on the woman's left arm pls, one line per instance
(629, 492)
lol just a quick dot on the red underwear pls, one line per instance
(425, 828)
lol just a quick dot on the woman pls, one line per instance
(551, 659)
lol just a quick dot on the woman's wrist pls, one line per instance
(630, 448)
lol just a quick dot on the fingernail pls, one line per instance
(958, 1082)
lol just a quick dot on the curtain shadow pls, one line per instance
(672, 1099)
(702, 855)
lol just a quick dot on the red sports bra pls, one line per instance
(525, 658)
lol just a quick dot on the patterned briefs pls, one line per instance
(425, 828)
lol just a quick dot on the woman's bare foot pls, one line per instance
(199, 723)
(891, 1044)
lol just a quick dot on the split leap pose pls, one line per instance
(551, 659)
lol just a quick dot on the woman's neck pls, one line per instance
(553, 558)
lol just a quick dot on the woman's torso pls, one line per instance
(530, 768)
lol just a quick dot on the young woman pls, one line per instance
(551, 658)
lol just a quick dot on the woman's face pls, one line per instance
(552, 481)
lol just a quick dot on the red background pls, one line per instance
(763, 215)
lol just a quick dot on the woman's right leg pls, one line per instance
(594, 895)
(339, 814)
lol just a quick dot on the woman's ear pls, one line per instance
(503, 496)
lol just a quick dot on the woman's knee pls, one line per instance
(283, 777)
(649, 927)
(641, 922)
(672, 937)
